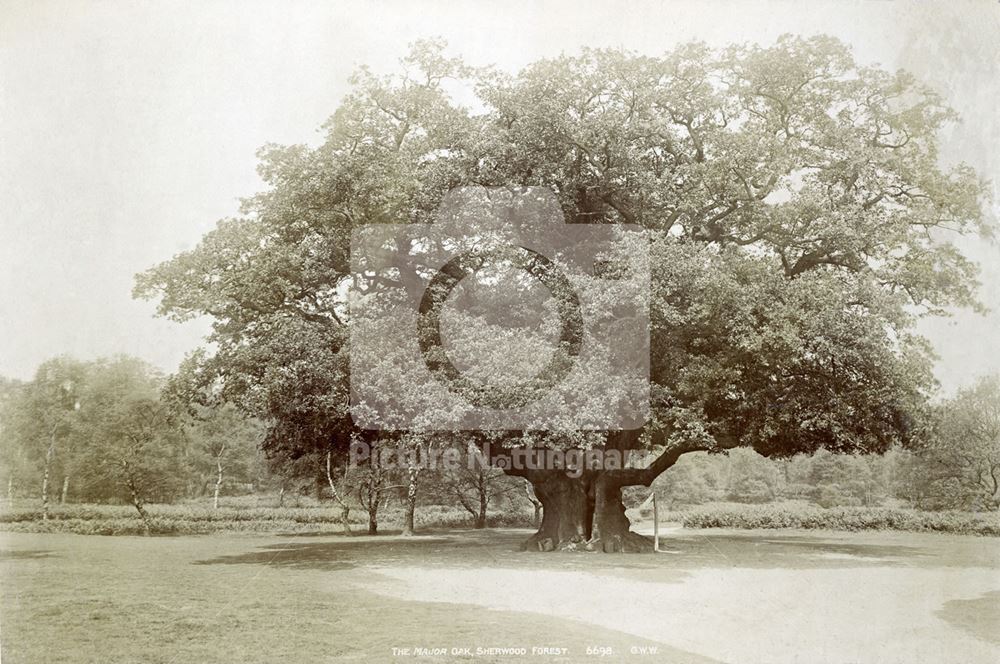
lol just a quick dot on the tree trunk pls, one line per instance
(10, 490)
(582, 513)
(281, 496)
(374, 495)
(370, 492)
(534, 503)
(411, 500)
(611, 532)
(318, 486)
(345, 509)
(483, 501)
(218, 477)
(567, 513)
(65, 490)
(45, 476)
(136, 497)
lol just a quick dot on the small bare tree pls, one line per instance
(476, 485)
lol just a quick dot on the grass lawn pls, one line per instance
(74, 598)
(805, 595)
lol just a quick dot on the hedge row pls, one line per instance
(310, 515)
(840, 518)
(199, 520)
(157, 526)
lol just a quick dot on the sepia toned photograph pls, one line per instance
(503, 331)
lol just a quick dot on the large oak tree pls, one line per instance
(798, 220)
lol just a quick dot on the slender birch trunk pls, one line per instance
(411, 500)
(49, 454)
(218, 477)
(345, 509)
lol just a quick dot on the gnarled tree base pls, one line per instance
(628, 543)
(583, 514)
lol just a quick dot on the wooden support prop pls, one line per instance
(656, 525)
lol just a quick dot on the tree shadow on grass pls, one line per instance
(444, 547)
(979, 617)
(296, 556)
(501, 548)
(28, 554)
(362, 532)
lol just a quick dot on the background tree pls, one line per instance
(476, 486)
(798, 223)
(693, 480)
(41, 417)
(13, 460)
(961, 455)
(373, 482)
(222, 444)
(751, 478)
(133, 436)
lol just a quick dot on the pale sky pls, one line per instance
(128, 128)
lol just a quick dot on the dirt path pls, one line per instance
(914, 604)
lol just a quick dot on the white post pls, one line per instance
(656, 525)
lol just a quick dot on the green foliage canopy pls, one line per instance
(798, 216)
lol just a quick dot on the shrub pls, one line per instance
(840, 518)
(198, 519)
